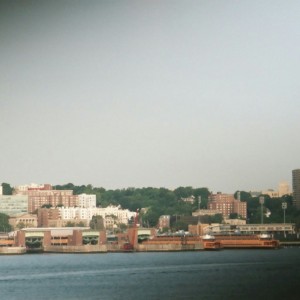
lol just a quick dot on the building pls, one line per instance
(190, 199)
(164, 221)
(37, 198)
(206, 212)
(271, 193)
(87, 200)
(23, 221)
(46, 238)
(1, 190)
(283, 189)
(12, 205)
(296, 188)
(59, 216)
(227, 204)
(23, 189)
(48, 217)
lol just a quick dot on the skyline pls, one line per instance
(138, 94)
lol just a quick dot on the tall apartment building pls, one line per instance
(296, 188)
(226, 204)
(37, 198)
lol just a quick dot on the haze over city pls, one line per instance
(124, 94)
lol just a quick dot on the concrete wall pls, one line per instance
(76, 249)
(12, 250)
(169, 247)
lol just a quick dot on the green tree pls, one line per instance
(97, 223)
(80, 224)
(4, 223)
(21, 225)
(6, 189)
(218, 218)
(70, 224)
(46, 205)
(244, 196)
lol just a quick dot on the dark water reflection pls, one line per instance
(227, 274)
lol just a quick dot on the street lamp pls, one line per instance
(199, 201)
(262, 201)
(284, 207)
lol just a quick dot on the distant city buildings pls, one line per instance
(283, 189)
(227, 204)
(59, 216)
(296, 188)
(40, 197)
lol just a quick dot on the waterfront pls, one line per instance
(234, 274)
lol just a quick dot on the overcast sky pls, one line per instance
(124, 94)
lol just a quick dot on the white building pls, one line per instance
(115, 213)
(87, 200)
(23, 189)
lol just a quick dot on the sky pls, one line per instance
(122, 94)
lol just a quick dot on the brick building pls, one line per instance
(37, 198)
(226, 204)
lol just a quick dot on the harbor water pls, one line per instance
(225, 274)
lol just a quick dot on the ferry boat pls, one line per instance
(210, 243)
(263, 241)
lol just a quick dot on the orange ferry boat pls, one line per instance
(263, 241)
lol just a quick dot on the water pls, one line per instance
(226, 274)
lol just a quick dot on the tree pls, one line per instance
(218, 218)
(70, 224)
(46, 205)
(4, 223)
(21, 225)
(7, 189)
(233, 216)
(97, 223)
(244, 196)
(80, 224)
(180, 225)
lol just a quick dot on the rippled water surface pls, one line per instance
(226, 274)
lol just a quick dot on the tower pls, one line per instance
(296, 188)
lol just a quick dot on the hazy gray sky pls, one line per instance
(150, 93)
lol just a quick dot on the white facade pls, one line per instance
(87, 200)
(86, 213)
(23, 189)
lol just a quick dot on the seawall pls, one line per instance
(76, 249)
(12, 250)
